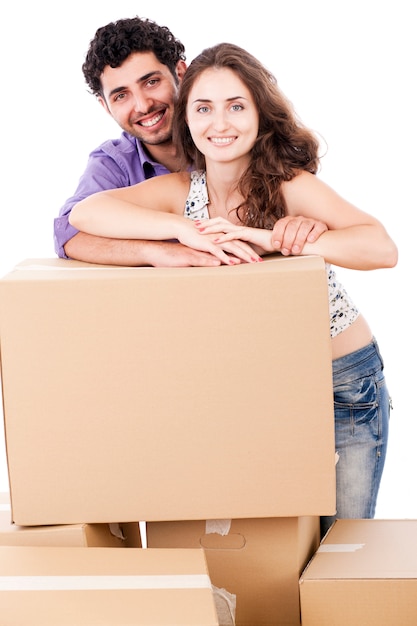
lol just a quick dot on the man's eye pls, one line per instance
(152, 82)
(119, 96)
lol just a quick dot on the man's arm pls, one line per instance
(116, 163)
(135, 252)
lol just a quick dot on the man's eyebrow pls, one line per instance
(141, 79)
(149, 75)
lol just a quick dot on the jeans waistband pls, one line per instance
(362, 362)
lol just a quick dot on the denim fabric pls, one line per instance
(362, 410)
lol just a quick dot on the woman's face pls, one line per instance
(222, 116)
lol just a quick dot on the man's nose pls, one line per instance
(142, 103)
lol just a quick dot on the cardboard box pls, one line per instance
(258, 560)
(104, 587)
(167, 394)
(81, 535)
(76, 535)
(364, 573)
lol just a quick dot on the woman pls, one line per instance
(253, 184)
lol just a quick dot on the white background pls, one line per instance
(350, 70)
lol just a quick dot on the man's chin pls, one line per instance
(152, 140)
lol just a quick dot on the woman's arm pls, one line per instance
(354, 239)
(121, 214)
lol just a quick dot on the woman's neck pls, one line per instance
(222, 181)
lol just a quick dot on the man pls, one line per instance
(134, 67)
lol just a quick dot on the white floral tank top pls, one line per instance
(343, 311)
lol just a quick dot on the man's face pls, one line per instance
(140, 95)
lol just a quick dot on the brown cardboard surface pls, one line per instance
(81, 535)
(104, 587)
(76, 535)
(258, 560)
(161, 394)
(364, 572)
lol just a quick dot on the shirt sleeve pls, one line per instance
(103, 171)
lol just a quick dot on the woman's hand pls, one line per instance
(288, 236)
(231, 250)
(222, 231)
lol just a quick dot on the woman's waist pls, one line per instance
(356, 336)
(364, 361)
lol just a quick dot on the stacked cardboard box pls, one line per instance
(257, 560)
(76, 535)
(364, 572)
(58, 586)
(178, 397)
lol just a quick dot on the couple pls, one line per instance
(246, 173)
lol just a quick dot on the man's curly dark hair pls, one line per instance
(113, 43)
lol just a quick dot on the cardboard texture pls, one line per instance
(81, 535)
(47, 586)
(167, 394)
(364, 573)
(258, 560)
(76, 535)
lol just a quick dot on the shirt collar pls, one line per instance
(150, 167)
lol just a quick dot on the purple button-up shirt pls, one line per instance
(116, 163)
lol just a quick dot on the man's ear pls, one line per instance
(180, 69)
(103, 104)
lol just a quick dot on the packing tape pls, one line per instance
(340, 547)
(225, 606)
(219, 526)
(116, 531)
(77, 583)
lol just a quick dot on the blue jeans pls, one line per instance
(362, 411)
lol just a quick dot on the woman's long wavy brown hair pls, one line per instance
(283, 148)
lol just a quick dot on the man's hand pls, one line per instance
(291, 233)
(136, 253)
(170, 254)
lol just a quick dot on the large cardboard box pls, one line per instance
(77, 535)
(364, 573)
(167, 394)
(47, 586)
(258, 560)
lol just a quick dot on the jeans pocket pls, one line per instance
(356, 404)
